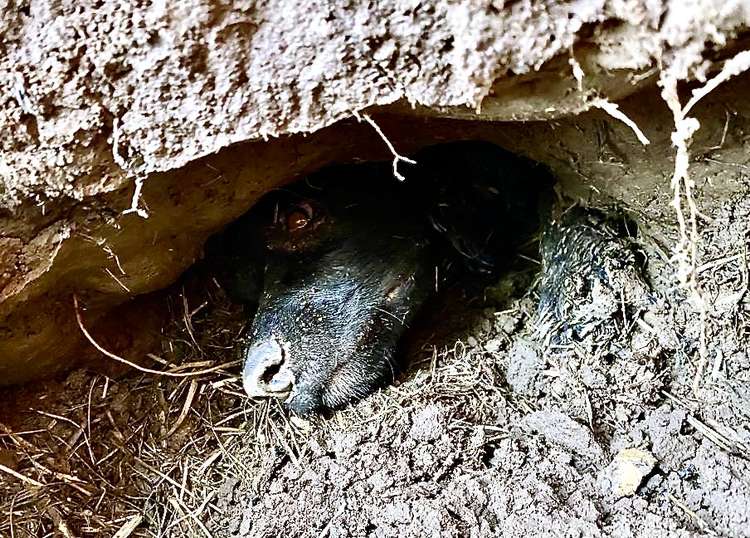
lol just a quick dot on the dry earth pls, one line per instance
(489, 433)
(114, 112)
(494, 429)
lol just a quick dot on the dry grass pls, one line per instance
(91, 455)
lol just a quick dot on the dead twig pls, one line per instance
(60, 523)
(185, 408)
(685, 508)
(23, 478)
(128, 527)
(122, 360)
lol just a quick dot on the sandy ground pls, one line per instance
(491, 431)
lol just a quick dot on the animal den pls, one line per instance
(535, 327)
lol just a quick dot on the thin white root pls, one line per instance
(578, 72)
(119, 159)
(605, 104)
(397, 157)
(136, 198)
(22, 96)
(685, 252)
(736, 65)
(613, 110)
(122, 162)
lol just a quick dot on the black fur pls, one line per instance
(340, 291)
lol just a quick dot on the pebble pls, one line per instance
(625, 474)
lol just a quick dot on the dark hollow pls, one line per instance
(334, 267)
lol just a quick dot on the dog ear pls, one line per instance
(484, 201)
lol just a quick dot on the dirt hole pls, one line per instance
(490, 427)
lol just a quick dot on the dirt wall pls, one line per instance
(200, 107)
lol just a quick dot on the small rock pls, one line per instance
(624, 475)
(508, 322)
(494, 345)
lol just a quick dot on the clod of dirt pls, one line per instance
(664, 431)
(428, 424)
(559, 429)
(524, 367)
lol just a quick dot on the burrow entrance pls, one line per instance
(488, 428)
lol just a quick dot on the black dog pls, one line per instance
(335, 267)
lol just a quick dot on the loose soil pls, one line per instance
(489, 432)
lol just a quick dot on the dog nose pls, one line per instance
(266, 372)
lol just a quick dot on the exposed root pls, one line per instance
(122, 162)
(134, 202)
(732, 67)
(605, 104)
(682, 185)
(22, 96)
(117, 280)
(686, 250)
(138, 367)
(119, 159)
(397, 157)
(613, 110)
(111, 254)
(578, 72)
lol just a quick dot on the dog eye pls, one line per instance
(299, 217)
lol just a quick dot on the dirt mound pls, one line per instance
(588, 447)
